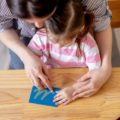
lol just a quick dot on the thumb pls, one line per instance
(84, 77)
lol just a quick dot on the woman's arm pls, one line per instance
(92, 81)
(104, 41)
(35, 69)
(11, 40)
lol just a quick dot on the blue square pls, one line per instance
(44, 97)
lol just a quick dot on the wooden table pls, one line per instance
(15, 89)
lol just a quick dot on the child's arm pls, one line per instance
(35, 45)
(91, 53)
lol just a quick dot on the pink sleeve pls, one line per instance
(91, 52)
(38, 45)
(38, 42)
(35, 43)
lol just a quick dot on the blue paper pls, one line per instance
(44, 97)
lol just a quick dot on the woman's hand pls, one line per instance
(91, 82)
(36, 71)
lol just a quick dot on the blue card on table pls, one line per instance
(44, 97)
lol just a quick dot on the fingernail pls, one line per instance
(51, 90)
(39, 88)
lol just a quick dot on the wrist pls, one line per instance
(26, 54)
(107, 70)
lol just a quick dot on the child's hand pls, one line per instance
(90, 83)
(37, 72)
(64, 96)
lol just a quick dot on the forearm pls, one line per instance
(104, 41)
(12, 41)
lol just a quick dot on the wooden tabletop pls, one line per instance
(15, 89)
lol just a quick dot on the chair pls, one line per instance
(115, 8)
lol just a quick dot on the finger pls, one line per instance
(43, 79)
(79, 85)
(46, 82)
(43, 85)
(33, 83)
(46, 72)
(85, 77)
(80, 90)
(28, 74)
(80, 95)
(66, 102)
(57, 95)
(31, 79)
(35, 73)
(58, 99)
(61, 101)
(90, 94)
(37, 82)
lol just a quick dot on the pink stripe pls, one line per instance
(62, 51)
(47, 47)
(68, 64)
(42, 32)
(93, 59)
(88, 41)
(43, 47)
(34, 46)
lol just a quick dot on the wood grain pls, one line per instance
(115, 8)
(15, 89)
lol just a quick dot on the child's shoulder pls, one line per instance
(88, 37)
(42, 32)
(41, 36)
(89, 40)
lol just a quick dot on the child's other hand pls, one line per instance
(64, 96)
(37, 72)
(90, 83)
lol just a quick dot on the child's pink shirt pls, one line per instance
(67, 56)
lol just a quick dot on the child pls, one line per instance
(65, 42)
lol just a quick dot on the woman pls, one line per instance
(102, 28)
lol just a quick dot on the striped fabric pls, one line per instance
(85, 55)
(98, 7)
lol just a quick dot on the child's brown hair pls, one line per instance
(70, 19)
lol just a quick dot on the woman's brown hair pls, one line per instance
(31, 8)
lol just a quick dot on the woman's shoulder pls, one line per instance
(92, 3)
(41, 36)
